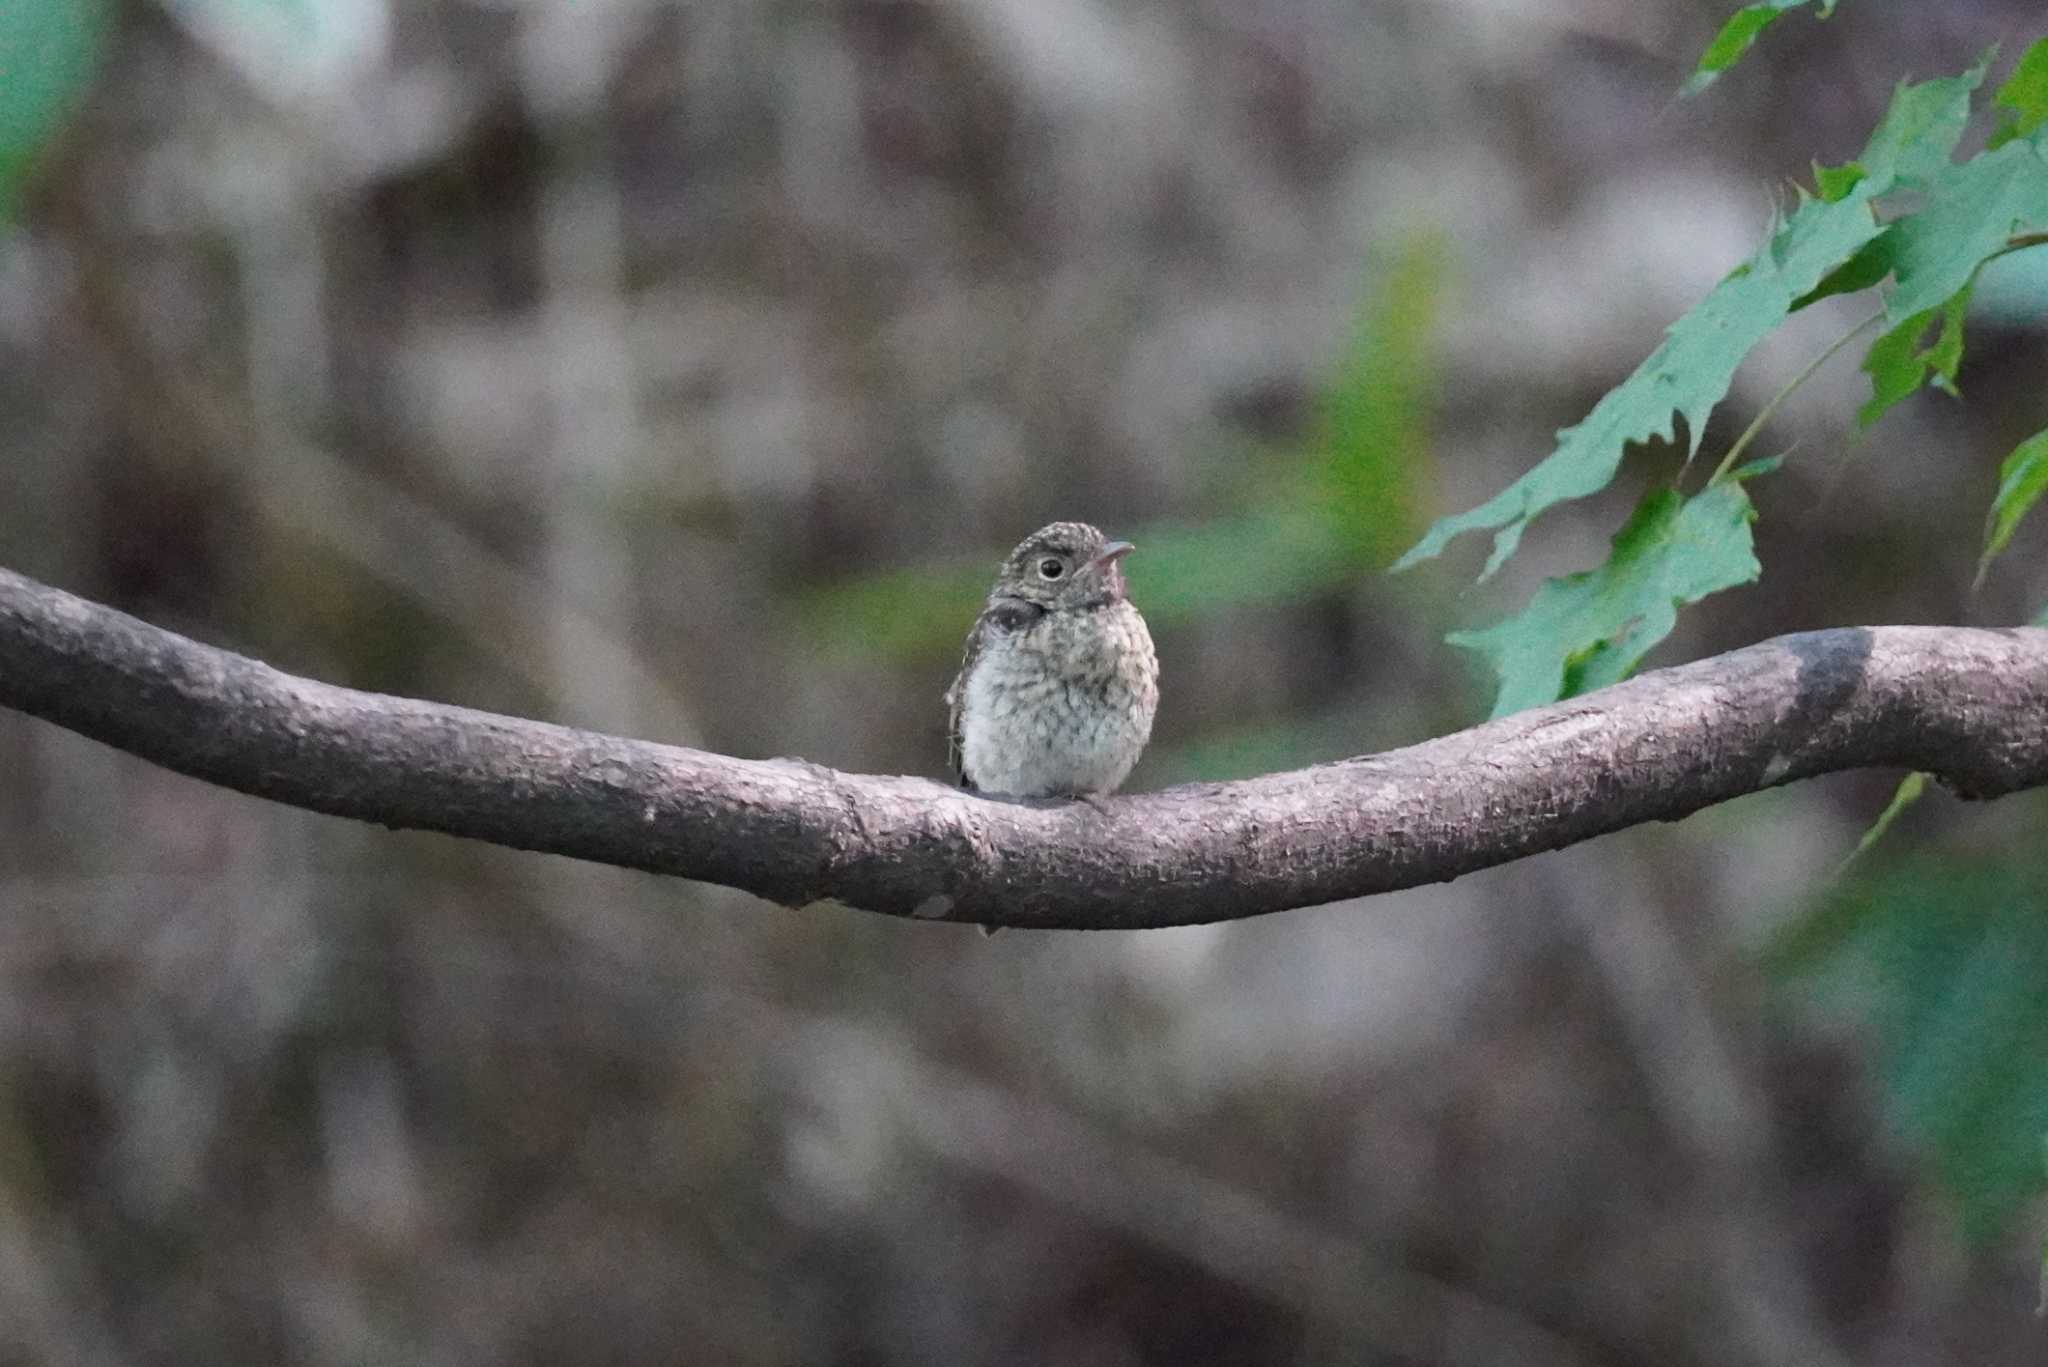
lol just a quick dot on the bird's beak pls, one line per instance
(1111, 553)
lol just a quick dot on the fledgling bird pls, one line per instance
(1057, 689)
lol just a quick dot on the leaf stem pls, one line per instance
(1770, 410)
(2018, 242)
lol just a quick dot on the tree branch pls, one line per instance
(1969, 706)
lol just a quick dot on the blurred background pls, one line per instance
(684, 369)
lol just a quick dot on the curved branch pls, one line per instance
(1970, 706)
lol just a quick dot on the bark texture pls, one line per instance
(1967, 705)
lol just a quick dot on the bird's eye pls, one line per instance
(1050, 568)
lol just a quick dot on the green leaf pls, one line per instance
(1898, 364)
(1917, 137)
(1836, 182)
(1972, 210)
(2024, 97)
(48, 52)
(1867, 268)
(1690, 373)
(2021, 482)
(1588, 630)
(1912, 146)
(1738, 35)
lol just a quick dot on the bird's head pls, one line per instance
(1065, 565)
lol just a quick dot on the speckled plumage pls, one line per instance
(1059, 682)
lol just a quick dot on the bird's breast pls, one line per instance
(1062, 707)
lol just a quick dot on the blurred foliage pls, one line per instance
(48, 52)
(1247, 751)
(1372, 438)
(1313, 518)
(301, 21)
(1279, 549)
(1946, 958)
(1739, 34)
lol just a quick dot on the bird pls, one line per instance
(1058, 682)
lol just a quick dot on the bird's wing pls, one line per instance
(956, 699)
(1003, 615)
